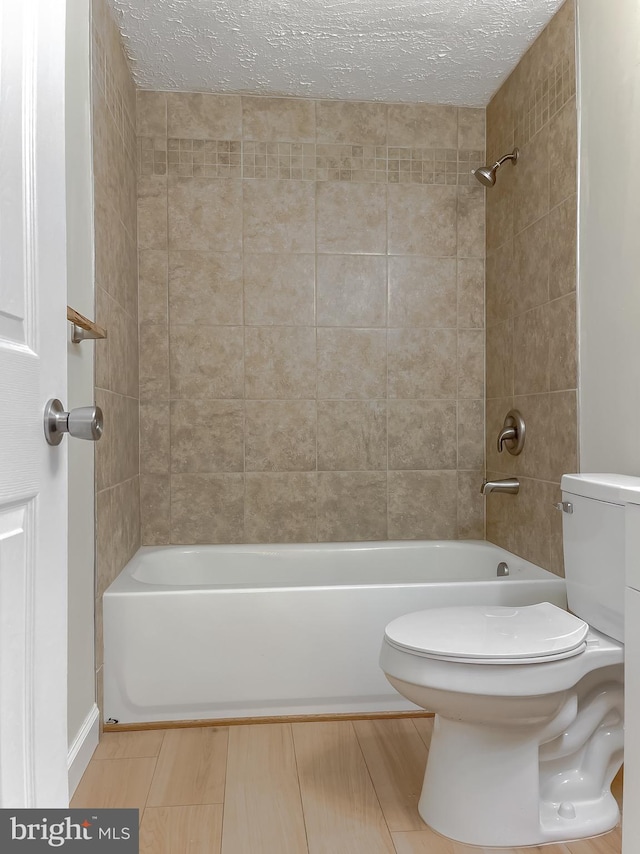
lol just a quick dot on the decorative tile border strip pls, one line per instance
(191, 158)
(548, 99)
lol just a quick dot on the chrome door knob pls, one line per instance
(86, 422)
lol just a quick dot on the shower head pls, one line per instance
(487, 174)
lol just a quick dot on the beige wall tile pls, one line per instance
(123, 351)
(115, 250)
(152, 282)
(205, 214)
(351, 290)
(205, 288)
(280, 507)
(155, 446)
(563, 233)
(126, 521)
(531, 351)
(155, 509)
(207, 508)
(563, 449)
(206, 361)
(350, 218)
(154, 361)
(279, 290)
(470, 363)
(563, 145)
(422, 505)
(500, 206)
(535, 459)
(470, 434)
(199, 116)
(279, 119)
(122, 421)
(531, 195)
(422, 434)
(105, 555)
(152, 212)
(471, 128)
(499, 377)
(532, 520)
(352, 435)
(422, 125)
(280, 362)
(352, 506)
(422, 363)
(563, 347)
(497, 409)
(352, 363)
(422, 292)
(351, 122)
(530, 284)
(280, 435)
(421, 220)
(278, 216)
(470, 285)
(501, 277)
(105, 448)
(470, 506)
(471, 222)
(206, 435)
(103, 318)
(151, 113)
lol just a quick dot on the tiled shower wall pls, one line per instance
(311, 319)
(531, 291)
(116, 288)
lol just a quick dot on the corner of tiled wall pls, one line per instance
(531, 291)
(116, 288)
(311, 319)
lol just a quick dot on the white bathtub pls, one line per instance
(193, 632)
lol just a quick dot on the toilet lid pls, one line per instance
(495, 634)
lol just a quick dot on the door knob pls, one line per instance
(86, 422)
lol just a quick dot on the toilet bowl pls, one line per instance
(528, 733)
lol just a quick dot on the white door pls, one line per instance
(33, 479)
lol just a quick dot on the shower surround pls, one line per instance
(311, 310)
(531, 291)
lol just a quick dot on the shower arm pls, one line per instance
(513, 156)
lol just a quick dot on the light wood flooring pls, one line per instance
(344, 787)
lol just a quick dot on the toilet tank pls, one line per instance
(594, 547)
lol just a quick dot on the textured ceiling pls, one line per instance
(437, 51)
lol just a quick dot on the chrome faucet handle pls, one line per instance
(505, 434)
(512, 434)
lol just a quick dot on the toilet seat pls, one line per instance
(486, 634)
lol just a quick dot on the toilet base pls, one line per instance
(483, 786)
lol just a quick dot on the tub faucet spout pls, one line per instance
(509, 484)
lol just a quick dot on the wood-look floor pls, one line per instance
(346, 787)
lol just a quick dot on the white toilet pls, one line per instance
(528, 733)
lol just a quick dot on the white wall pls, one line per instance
(81, 677)
(609, 235)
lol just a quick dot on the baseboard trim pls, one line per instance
(276, 719)
(82, 748)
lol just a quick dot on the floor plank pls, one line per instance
(191, 768)
(396, 758)
(181, 830)
(129, 745)
(429, 842)
(111, 783)
(342, 813)
(425, 728)
(262, 803)
(610, 843)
